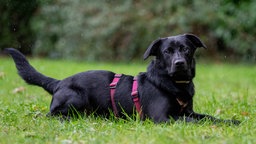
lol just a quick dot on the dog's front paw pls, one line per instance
(232, 122)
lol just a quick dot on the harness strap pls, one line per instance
(135, 97)
(112, 92)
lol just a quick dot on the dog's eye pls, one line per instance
(166, 51)
(169, 50)
(184, 49)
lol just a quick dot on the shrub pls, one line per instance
(122, 30)
(15, 30)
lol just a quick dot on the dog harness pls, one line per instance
(134, 94)
(112, 92)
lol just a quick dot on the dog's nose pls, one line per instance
(179, 63)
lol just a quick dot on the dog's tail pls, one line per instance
(29, 74)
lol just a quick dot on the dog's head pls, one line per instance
(176, 54)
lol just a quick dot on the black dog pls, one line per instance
(165, 91)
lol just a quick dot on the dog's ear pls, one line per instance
(152, 49)
(195, 40)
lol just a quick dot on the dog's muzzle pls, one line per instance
(179, 67)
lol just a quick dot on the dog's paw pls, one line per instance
(232, 122)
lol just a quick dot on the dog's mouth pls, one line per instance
(180, 74)
(177, 70)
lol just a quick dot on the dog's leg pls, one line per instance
(157, 111)
(191, 116)
(159, 117)
(213, 119)
(198, 117)
(161, 120)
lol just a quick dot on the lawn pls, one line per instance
(223, 90)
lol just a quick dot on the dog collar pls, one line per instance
(182, 82)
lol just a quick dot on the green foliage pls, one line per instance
(15, 30)
(122, 30)
(218, 92)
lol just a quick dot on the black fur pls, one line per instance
(166, 90)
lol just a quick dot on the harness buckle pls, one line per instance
(135, 97)
(113, 85)
(135, 94)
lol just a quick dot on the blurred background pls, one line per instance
(111, 30)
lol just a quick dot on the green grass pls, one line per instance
(225, 91)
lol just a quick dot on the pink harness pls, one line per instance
(134, 94)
